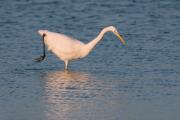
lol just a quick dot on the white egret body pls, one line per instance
(67, 48)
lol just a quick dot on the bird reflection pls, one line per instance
(66, 79)
(66, 76)
(61, 89)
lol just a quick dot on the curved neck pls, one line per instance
(89, 46)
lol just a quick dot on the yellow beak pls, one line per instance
(120, 38)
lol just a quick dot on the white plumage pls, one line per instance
(67, 48)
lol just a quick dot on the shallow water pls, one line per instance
(139, 81)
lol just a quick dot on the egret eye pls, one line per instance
(115, 31)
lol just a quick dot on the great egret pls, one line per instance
(67, 48)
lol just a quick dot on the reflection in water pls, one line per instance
(59, 80)
(64, 90)
(67, 75)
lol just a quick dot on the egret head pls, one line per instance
(115, 31)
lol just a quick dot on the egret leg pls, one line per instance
(41, 58)
(66, 64)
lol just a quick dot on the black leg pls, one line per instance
(41, 58)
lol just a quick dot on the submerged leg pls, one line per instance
(66, 64)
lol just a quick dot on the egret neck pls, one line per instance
(89, 46)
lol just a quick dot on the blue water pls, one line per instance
(139, 81)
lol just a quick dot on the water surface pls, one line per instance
(139, 81)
